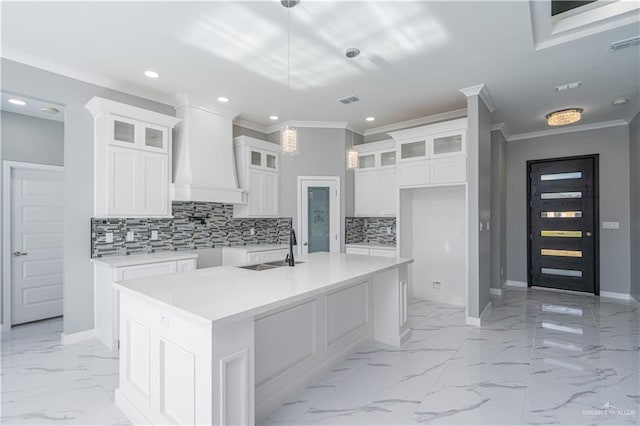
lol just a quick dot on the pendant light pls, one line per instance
(352, 154)
(288, 134)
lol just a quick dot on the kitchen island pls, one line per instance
(228, 345)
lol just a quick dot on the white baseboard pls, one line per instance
(511, 283)
(69, 339)
(130, 410)
(614, 295)
(496, 291)
(477, 321)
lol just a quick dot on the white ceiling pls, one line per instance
(415, 57)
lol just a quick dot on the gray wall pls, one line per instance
(350, 139)
(78, 161)
(479, 187)
(322, 152)
(31, 139)
(613, 146)
(243, 131)
(498, 207)
(634, 179)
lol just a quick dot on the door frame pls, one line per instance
(335, 210)
(7, 168)
(596, 214)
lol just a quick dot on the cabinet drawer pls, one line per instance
(416, 173)
(142, 271)
(448, 170)
(357, 250)
(382, 252)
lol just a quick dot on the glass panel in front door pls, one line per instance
(318, 206)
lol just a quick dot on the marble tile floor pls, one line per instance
(45, 382)
(541, 357)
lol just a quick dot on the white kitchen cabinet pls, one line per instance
(375, 179)
(257, 167)
(119, 268)
(434, 154)
(370, 250)
(132, 160)
(253, 254)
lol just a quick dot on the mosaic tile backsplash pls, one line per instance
(195, 225)
(370, 230)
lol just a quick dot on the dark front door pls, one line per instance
(563, 217)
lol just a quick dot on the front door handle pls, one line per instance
(19, 253)
(305, 243)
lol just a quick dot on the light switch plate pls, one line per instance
(108, 237)
(129, 236)
(610, 225)
(154, 235)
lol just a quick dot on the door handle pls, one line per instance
(305, 243)
(588, 234)
(19, 253)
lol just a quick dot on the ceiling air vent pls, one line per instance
(623, 44)
(349, 99)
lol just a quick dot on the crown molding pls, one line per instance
(251, 125)
(450, 115)
(130, 89)
(483, 91)
(310, 124)
(502, 128)
(562, 130)
(182, 99)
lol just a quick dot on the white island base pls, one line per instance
(229, 346)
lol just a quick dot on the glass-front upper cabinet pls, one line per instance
(136, 134)
(449, 144)
(263, 160)
(367, 161)
(388, 158)
(413, 149)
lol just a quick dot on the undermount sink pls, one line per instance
(266, 266)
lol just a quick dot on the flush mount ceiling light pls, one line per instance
(289, 135)
(370, 119)
(151, 74)
(50, 110)
(18, 102)
(564, 116)
(619, 102)
(273, 117)
(223, 99)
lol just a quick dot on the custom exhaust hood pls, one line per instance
(203, 159)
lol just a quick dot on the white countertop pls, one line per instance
(226, 293)
(141, 259)
(372, 245)
(259, 247)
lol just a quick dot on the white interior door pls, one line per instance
(37, 201)
(319, 214)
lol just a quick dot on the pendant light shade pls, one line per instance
(288, 134)
(289, 140)
(352, 159)
(565, 116)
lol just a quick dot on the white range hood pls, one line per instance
(203, 161)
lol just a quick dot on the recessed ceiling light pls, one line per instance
(620, 101)
(223, 99)
(564, 116)
(151, 74)
(370, 119)
(19, 102)
(273, 117)
(50, 110)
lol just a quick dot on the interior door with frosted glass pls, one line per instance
(563, 223)
(319, 217)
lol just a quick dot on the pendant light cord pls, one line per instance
(289, 64)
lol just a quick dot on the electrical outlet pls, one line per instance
(154, 235)
(437, 285)
(129, 236)
(388, 230)
(252, 231)
(108, 237)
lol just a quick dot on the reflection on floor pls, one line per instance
(541, 357)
